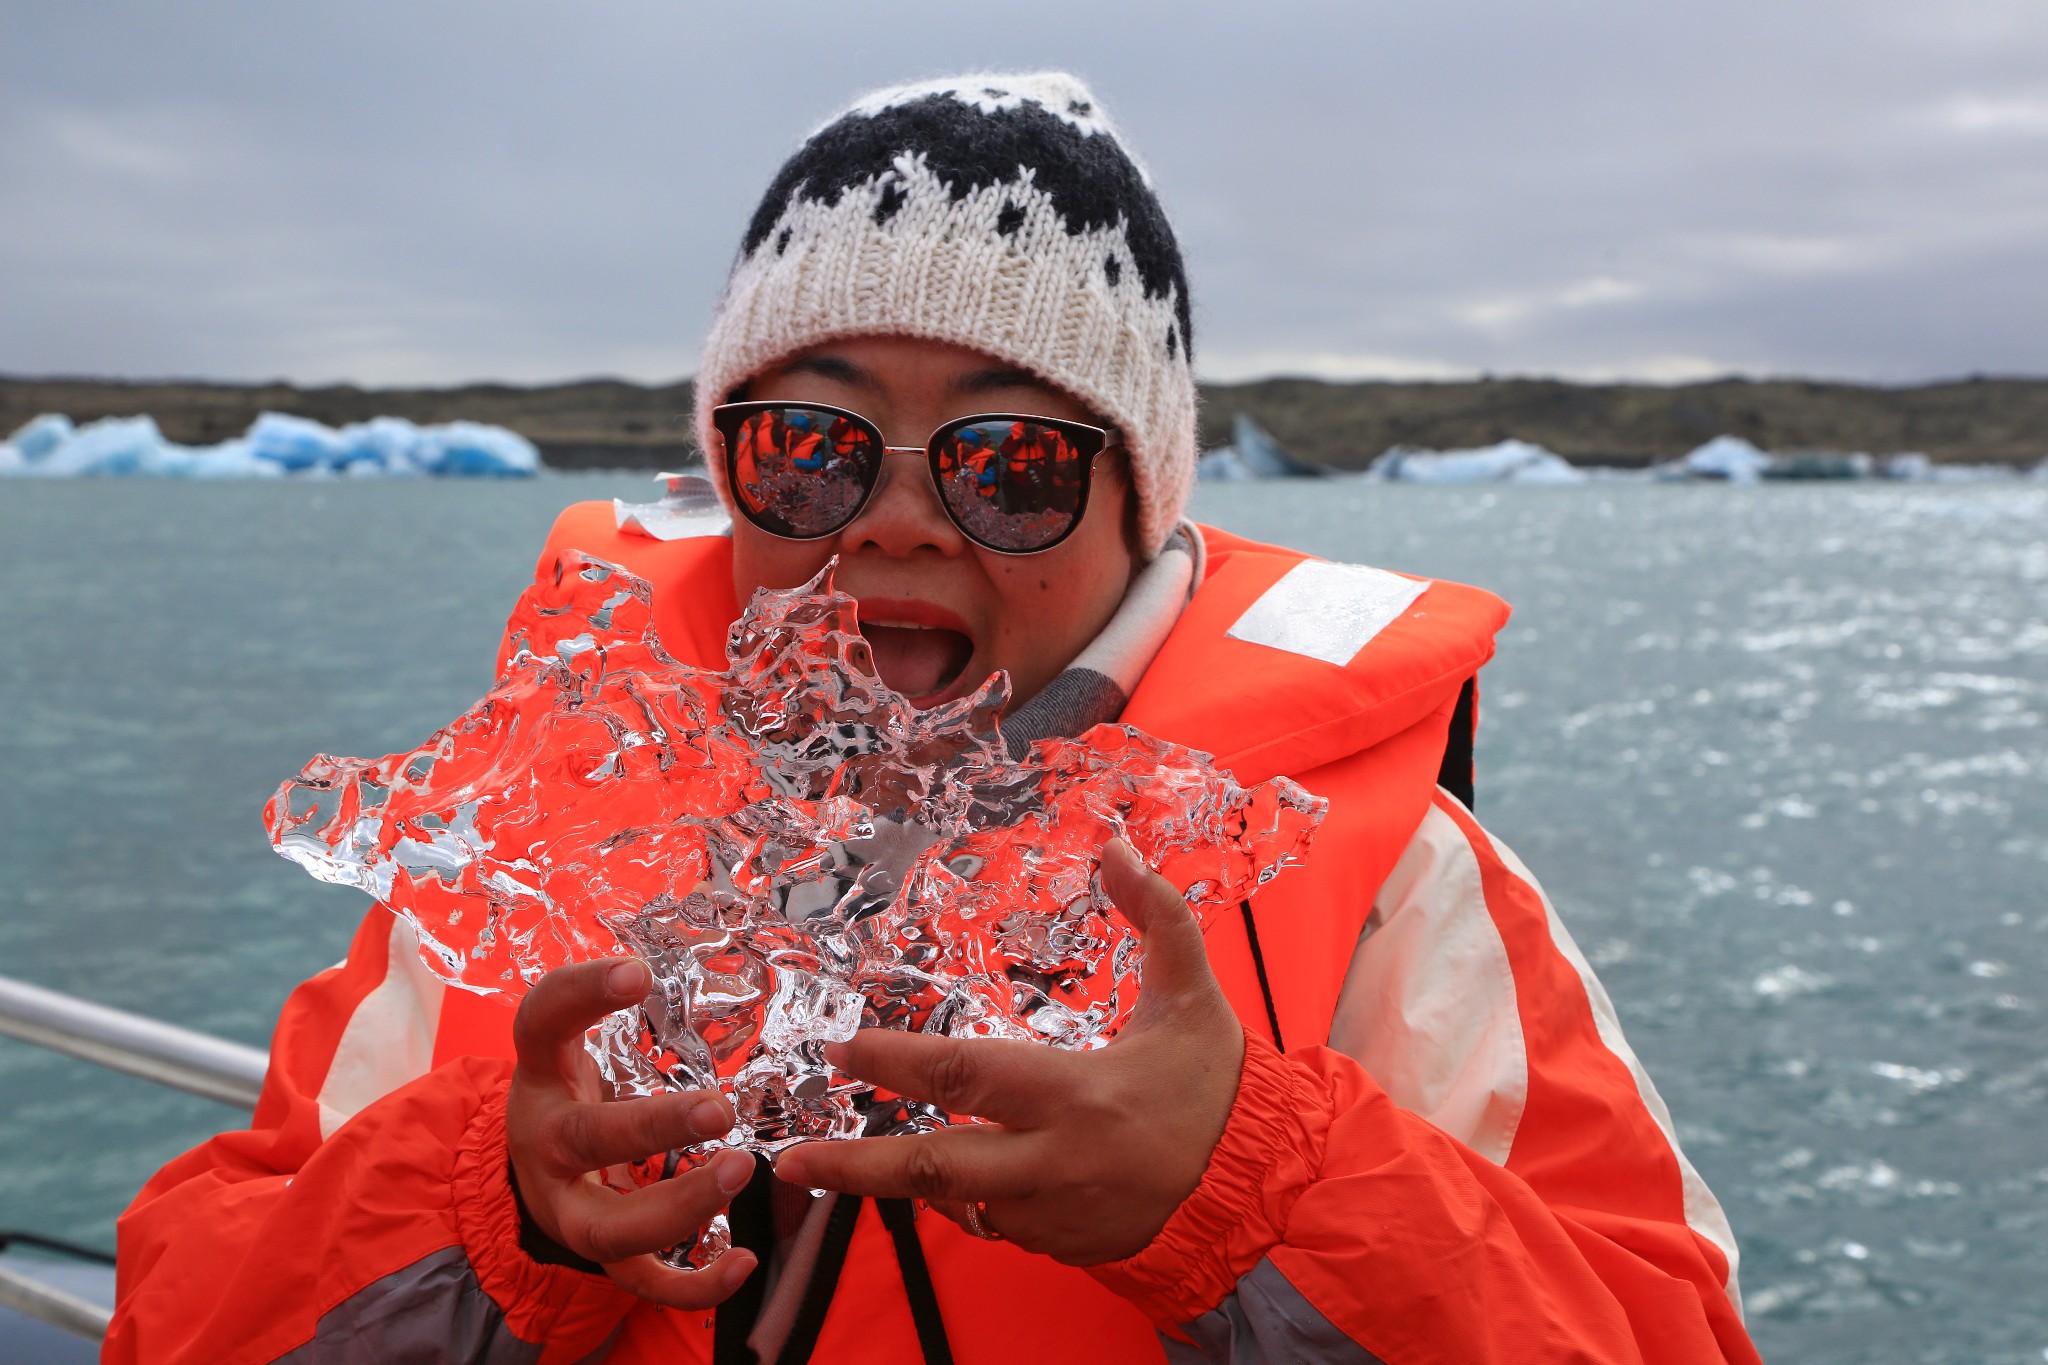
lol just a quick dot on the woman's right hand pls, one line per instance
(562, 1128)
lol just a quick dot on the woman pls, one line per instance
(1383, 1113)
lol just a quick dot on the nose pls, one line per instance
(903, 515)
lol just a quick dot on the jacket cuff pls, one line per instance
(1270, 1148)
(569, 1312)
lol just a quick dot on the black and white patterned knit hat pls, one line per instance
(997, 212)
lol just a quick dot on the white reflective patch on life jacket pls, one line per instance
(389, 1039)
(1327, 611)
(1429, 1004)
(689, 507)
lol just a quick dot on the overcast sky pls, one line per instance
(429, 191)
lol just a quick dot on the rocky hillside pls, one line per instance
(611, 424)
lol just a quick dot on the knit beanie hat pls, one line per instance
(996, 212)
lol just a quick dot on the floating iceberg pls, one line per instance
(41, 437)
(1253, 454)
(1725, 457)
(1809, 465)
(1735, 460)
(1508, 462)
(1917, 468)
(276, 444)
(49, 447)
(794, 849)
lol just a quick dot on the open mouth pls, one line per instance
(921, 662)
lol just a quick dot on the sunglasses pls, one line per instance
(1012, 483)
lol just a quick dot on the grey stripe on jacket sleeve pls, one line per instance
(1265, 1322)
(433, 1310)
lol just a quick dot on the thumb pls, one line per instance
(1174, 956)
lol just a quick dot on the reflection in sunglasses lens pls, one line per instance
(799, 471)
(1012, 485)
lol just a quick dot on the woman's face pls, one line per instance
(940, 612)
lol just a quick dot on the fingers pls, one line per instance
(1173, 939)
(1015, 1083)
(959, 1165)
(589, 1136)
(548, 1030)
(688, 1289)
(608, 1226)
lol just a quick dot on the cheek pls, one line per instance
(1054, 604)
(1039, 588)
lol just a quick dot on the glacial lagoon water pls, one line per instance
(1779, 754)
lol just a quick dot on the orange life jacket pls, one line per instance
(1368, 733)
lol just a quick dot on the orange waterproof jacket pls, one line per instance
(1457, 1159)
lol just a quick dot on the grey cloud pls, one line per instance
(391, 192)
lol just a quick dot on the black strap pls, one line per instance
(753, 1227)
(752, 1215)
(1251, 934)
(1455, 775)
(901, 1220)
(810, 1315)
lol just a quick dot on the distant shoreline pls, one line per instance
(612, 424)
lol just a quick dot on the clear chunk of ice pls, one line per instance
(794, 849)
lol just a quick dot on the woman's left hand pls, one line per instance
(1086, 1154)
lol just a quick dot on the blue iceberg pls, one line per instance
(276, 445)
(42, 435)
(1914, 467)
(1725, 457)
(1507, 462)
(1253, 454)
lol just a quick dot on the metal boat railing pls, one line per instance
(149, 1048)
(155, 1051)
(46, 1303)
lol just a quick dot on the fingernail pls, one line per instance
(741, 1265)
(732, 1171)
(628, 978)
(709, 1120)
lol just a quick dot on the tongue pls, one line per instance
(917, 662)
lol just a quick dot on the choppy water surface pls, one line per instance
(1779, 754)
